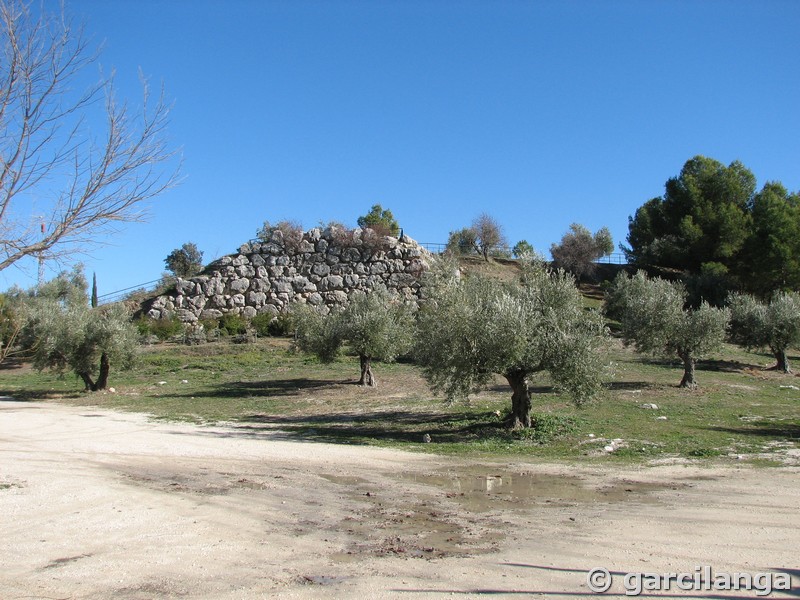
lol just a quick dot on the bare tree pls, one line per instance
(489, 233)
(62, 185)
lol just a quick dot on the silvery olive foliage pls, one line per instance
(473, 328)
(655, 320)
(376, 326)
(64, 333)
(774, 325)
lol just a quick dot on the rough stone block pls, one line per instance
(240, 285)
(282, 287)
(331, 282)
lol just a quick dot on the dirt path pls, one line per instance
(101, 504)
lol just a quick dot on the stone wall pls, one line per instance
(321, 268)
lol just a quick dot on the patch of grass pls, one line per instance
(739, 410)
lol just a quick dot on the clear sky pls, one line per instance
(539, 113)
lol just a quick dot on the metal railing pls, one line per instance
(615, 258)
(121, 294)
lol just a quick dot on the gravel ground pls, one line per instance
(103, 504)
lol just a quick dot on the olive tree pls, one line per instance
(374, 325)
(462, 242)
(774, 325)
(64, 333)
(11, 322)
(578, 249)
(655, 320)
(489, 233)
(484, 236)
(471, 328)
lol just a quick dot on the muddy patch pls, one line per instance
(459, 512)
(391, 518)
(189, 479)
(416, 529)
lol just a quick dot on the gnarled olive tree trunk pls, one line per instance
(102, 377)
(782, 361)
(688, 380)
(520, 399)
(367, 378)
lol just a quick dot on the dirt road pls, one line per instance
(101, 504)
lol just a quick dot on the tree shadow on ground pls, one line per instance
(10, 363)
(39, 395)
(390, 426)
(632, 386)
(267, 388)
(768, 429)
(725, 366)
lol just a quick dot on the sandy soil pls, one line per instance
(101, 504)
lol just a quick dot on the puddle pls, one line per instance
(343, 479)
(481, 491)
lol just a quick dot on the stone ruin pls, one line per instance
(318, 267)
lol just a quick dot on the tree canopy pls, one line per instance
(712, 221)
(380, 220)
(185, 261)
(375, 325)
(472, 328)
(523, 249)
(770, 257)
(64, 333)
(655, 319)
(578, 249)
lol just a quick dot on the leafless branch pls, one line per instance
(49, 161)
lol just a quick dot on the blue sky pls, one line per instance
(539, 113)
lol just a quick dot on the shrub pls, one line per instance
(163, 329)
(194, 336)
(233, 324)
(282, 325)
(287, 233)
(260, 323)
